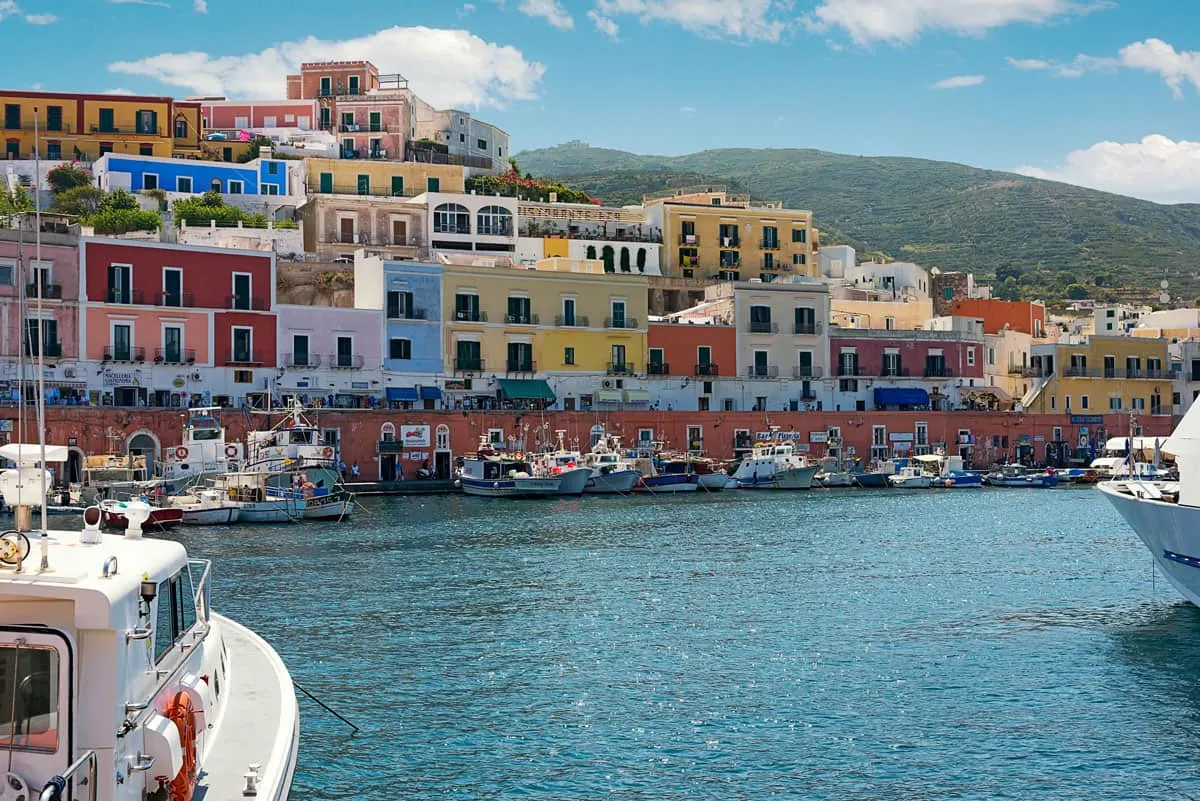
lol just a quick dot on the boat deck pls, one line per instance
(259, 723)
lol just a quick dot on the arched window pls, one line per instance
(387, 432)
(451, 218)
(608, 256)
(443, 438)
(181, 127)
(216, 185)
(495, 221)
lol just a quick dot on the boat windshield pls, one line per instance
(29, 697)
(300, 437)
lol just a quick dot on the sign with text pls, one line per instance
(125, 379)
(414, 436)
(818, 436)
(900, 437)
(1087, 419)
(779, 435)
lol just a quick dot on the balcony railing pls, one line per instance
(49, 291)
(939, 372)
(658, 368)
(470, 316)
(620, 322)
(129, 296)
(851, 371)
(769, 244)
(345, 361)
(688, 239)
(386, 446)
(244, 357)
(521, 319)
(139, 130)
(468, 365)
(762, 371)
(520, 366)
(763, 327)
(578, 321)
(369, 191)
(174, 355)
(808, 329)
(458, 230)
(406, 314)
(807, 371)
(126, 354)
(302, 360)
(177, 300)
(63, 127)
(244, 303)
(893, 372)
(808, 394)
(708, 370)
(620, 368)
(51, 350)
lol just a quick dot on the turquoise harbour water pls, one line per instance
(826, 645)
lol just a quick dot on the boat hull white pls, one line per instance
(712, 482)
(798, 478)
(618, 482)
(1171, 533)
(834, 480)
(336, 509)
(277, 511)
(911, 482)
(569, 482)
(211, 516)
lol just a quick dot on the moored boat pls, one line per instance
(202, 452)
(1019, 476)
(205, 508)
(612, 473)
(255, 500)
(768, 458)
(948, 471)
(877, 476)
(910, 477)
(113, 514)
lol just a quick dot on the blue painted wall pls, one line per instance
(425, 282)
(254, 175)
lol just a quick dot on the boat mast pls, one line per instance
(41, 362)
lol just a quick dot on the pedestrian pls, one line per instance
(342, 469)
(354, 471)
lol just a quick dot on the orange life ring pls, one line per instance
(327, 453)
(181, 712)
(231, 451)
(181, 452)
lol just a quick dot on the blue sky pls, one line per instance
(1090, 91)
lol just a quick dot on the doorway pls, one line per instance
(387, 467)
(145, 445)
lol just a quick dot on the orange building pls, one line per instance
(692, 350)
(997, 315)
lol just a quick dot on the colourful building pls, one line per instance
(84, 126)
(711, 234)
(407, 296)
(381, 178)
(1100, 375)
(704, 351)
(330, 356)
(239, 115)
(263, 176)
(1000, 315)
(889, 315)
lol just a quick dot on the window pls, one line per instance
(466, 308)
(348, 151)
(1067, 402)
(889, 323)
(345, 351)
(53, 150)
(520, 357)
(41, 334)
(397, 185)
(172, 290)
(970, 357)
(235, 187)
(146, 121)
(804, 364)
(227, 154)
(991, 357)
(467, 355)
(119, 280)
(33, 670)
(618, 314)
(768, 261)
(1083, 402)
(451, 218)
(300, 350)
(568, 356)
(172, 352)
(1138, 404)
(12, 116)
(805, 321)
(800, 235)
(433, 184)
(656, 363)
(618, 359)
(462, 139)
(568, 317)
(1114, 404)
(364, 184)
(7, 268)
(353, 84)
(949, 293)
(241, 292)
(376, 148)
(145, 150)
(326, 182)
(105, 147)
(399, 305)
(1053, 401)
(761, 366)
(760, 319)
(149, 181)
(242, 345)
(122, 341)
(326, 86)
(348, 125)
(519, 311)
(770, 237)
(54, 118)
(891, 363)
(183, 183)
(181, 129)
(799, 258)
(481, 144)
(106, 120)
(704, 355)
(495, 221)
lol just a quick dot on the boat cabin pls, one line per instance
(496, 468)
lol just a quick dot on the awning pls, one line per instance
(401, 394)
(637, 396)
(526, 389)
(609, 396)
(431, 393)
(901, 396)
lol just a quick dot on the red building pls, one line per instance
(221, 114)
(692, 350)
(369, 113)
(998, 315)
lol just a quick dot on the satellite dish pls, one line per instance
(1165, 297)
(1164, 283)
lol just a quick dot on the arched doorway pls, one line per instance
(145, 444)
(443, 460)
(73, 469)
(389, 453)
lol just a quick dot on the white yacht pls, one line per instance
(612, 473)
(294, 443)
(911, 477)
(203, 451)
(1166, 514)
(776, 465)
(118, 681)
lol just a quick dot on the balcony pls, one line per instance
(174, 356)
(42, 127)
(125, 296)
(243, 357)
(658, 368)
(938, 372)
(520, 366)
(769, 244)
(369, 191)
(620, 322)
(578, 321)
(176, 300)
(243, 303)
(1083, 372)
(851, 371)
(731, 242)
(389, 446)
(894, 372)
(620, 368)
(521, 319)
(125, 354)
(763, 327)
(808, 329)
(48, 291)
(808, 395)
(468, 365)
(470, 316)
(301, 360)
(51, 350)
(366, 128)
(137, 130)
(807, 371)
(345, 361)
(762, 371)
(707, 370)
(457, 230)
(406, 314)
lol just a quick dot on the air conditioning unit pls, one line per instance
(68, 372)
(607, 383)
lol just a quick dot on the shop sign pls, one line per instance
(414, 436)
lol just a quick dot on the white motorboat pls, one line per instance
(1166, 515)
(205, 508)
(292, 443)
(795, 478)
(768, 459)
(123, 683)
(203, 451)
(257, 501)
(612, 473)
(493, 475)
(831, 475)
(910, 478)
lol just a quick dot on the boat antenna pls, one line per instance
(41, 355)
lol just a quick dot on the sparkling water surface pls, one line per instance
(967, 644)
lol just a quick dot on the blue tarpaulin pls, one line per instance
(401, 394)
(901, 396)
(431, 393)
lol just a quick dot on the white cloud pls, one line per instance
(41, 19)
(1029, 63)
(446, 67)
(736, 19)
(959, 82)
(141, 3)
(603, 24)
(467, 10)
(688, 110)
(8, 8)
(200, 6)
(1155, 55)
(1079, 66)
(550, 10)
(903, 20)
(1155, 168)
(118, 91)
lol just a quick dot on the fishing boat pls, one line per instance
(948, 471)
(1019, 476)
(763, 467)
(910, 477)
(832, 475)
(877, 476)
(1079, 475)
(325, 496)
(202, 452)
(205, 507)
(113, 514)
(294, 443)
(257, 501)
(612, 473)
(497, 476)
(111, 476)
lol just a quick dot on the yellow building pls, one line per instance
(83, 126)
(711, 234)
(386, 178)
(562, 316)
(1100, 375)
(883, 314)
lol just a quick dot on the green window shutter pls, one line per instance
(327, 182)
(364, 184)
(433, 184)
(397, 185)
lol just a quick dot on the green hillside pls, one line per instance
(1033, 238)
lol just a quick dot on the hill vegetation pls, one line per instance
(1031, 238)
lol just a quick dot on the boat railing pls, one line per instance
(70, 778)
(166, 678)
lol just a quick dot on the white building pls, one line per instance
(481, 224)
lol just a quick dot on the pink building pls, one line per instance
(221, 114)
(370, 114)
(55, 330)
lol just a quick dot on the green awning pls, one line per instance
(526, 389)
